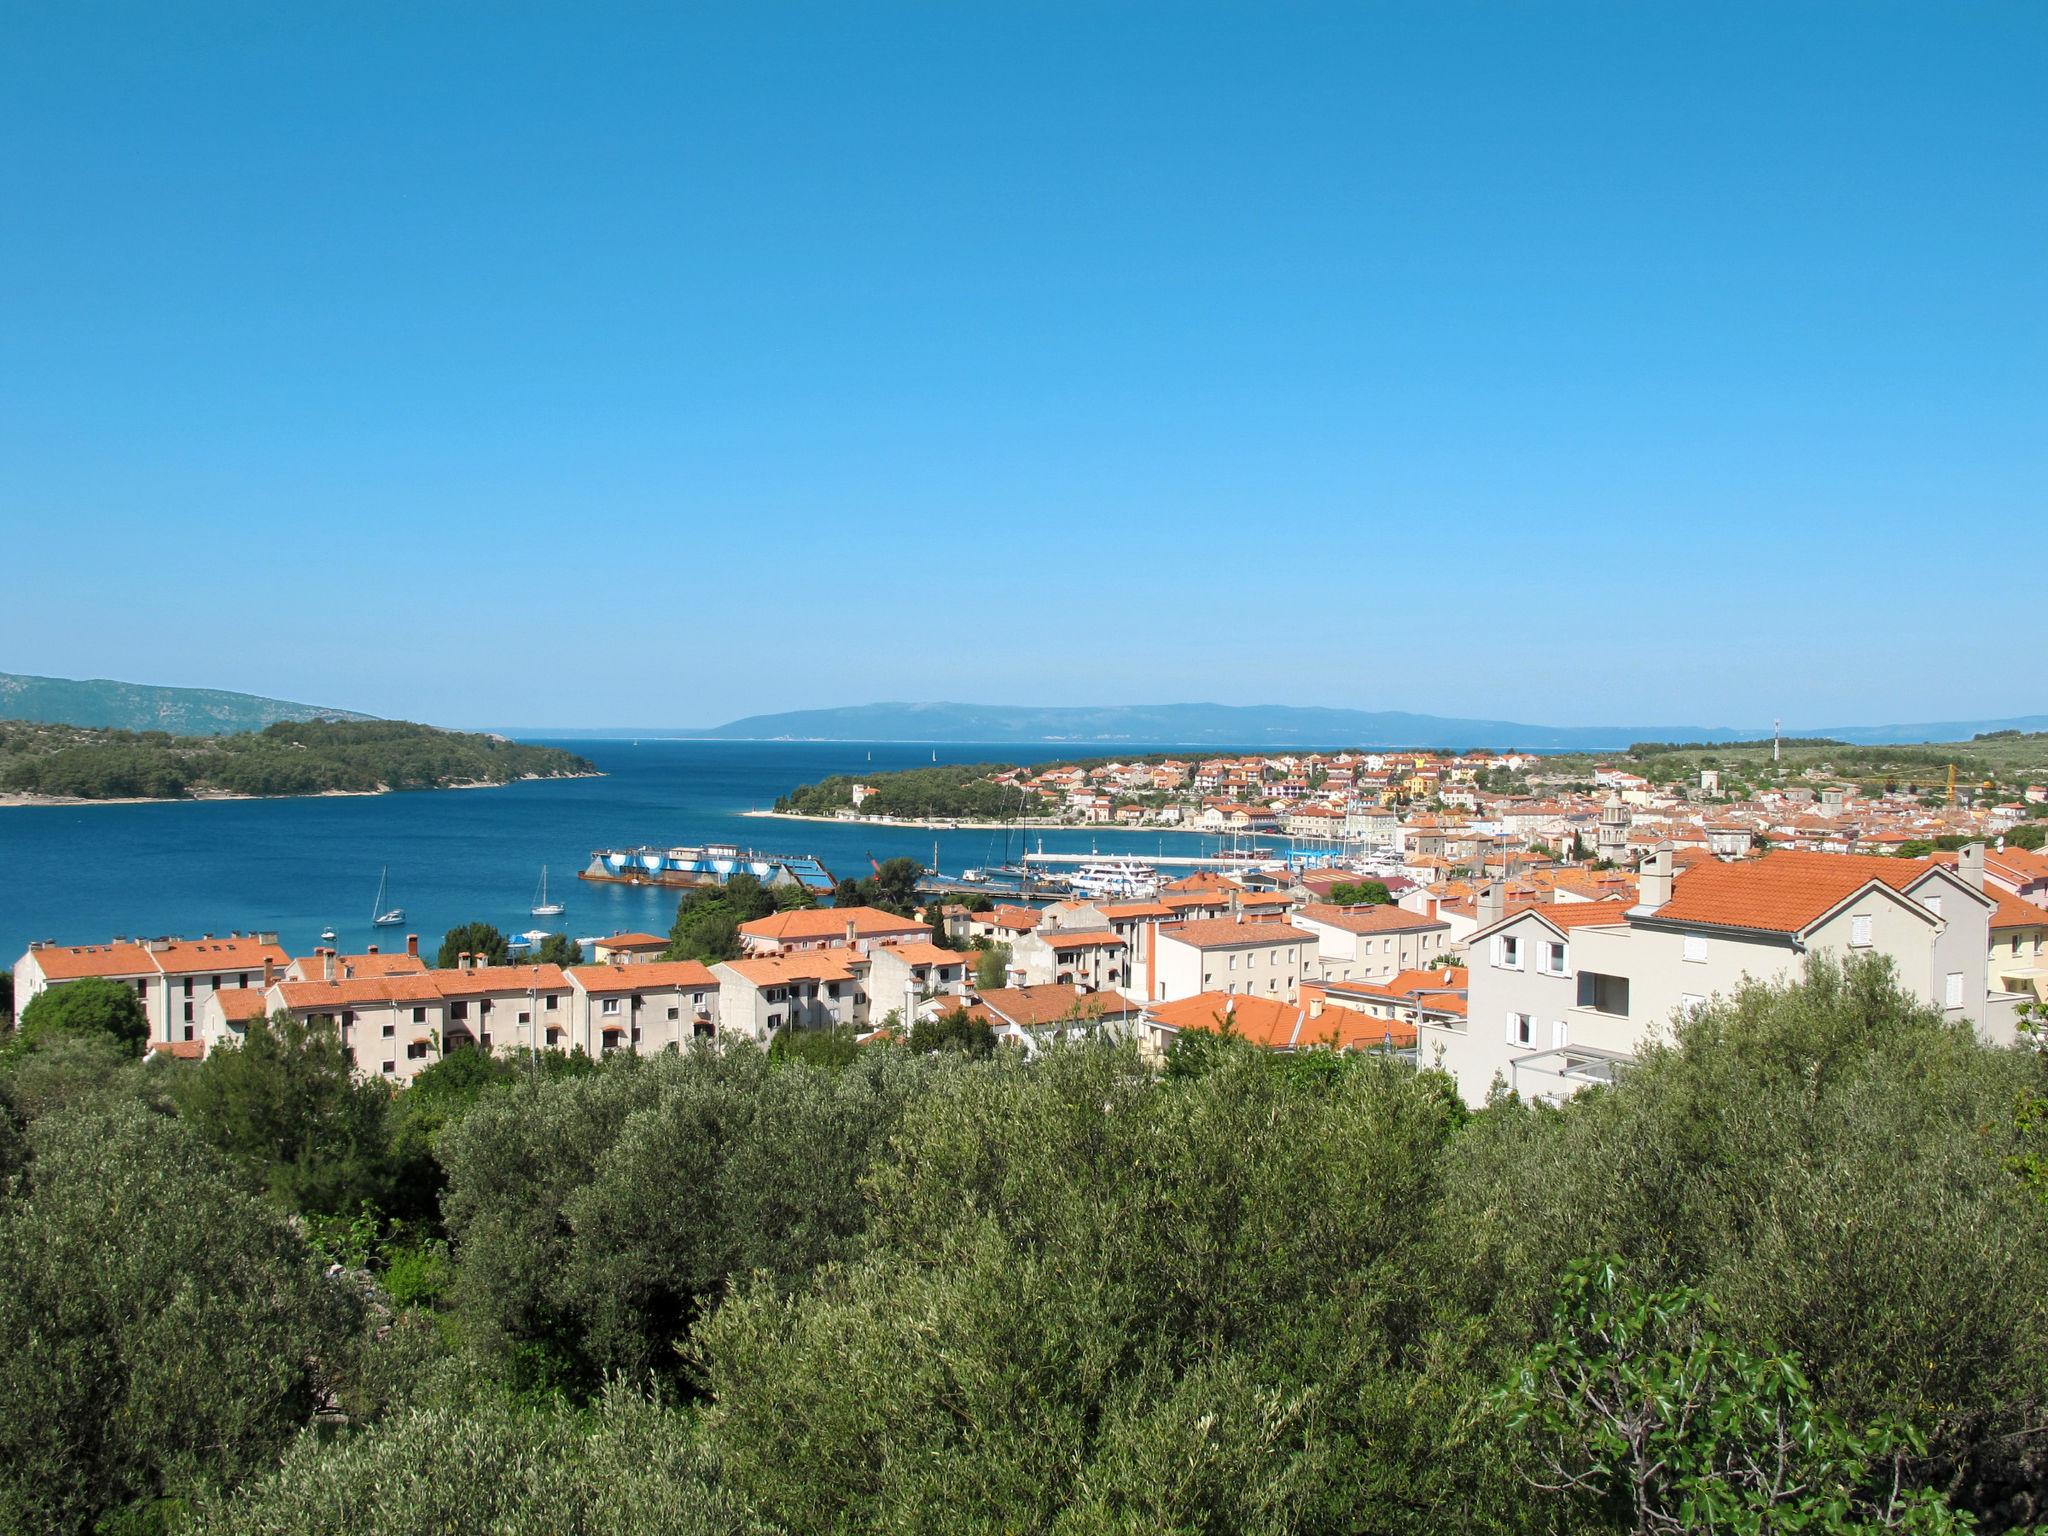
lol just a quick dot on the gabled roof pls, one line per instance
(190, 957)
(632, 941)
(654, 976)
(1784, 891)
(71, 962)
(2011, 912)
(325, 996)
(1234, 933)
(1279, 1026)
(1372, 919)
(1030, 1007)
(238, 1005)
(499, 978)
(835, 963)
(828, 923)
(923, 952)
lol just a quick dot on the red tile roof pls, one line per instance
(829, 923)
(1230, 933)
(1372, 919)
(1784, 891)
(655, 975)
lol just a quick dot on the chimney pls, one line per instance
(1315, 1006)
(412, 944)
(327, 965)
(1430, 911)
(1493, 903)
(852, 931)
(1970, 865)
(269, 972)
(1653, 880)
(348, 971)
(462, 961)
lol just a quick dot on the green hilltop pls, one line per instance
(103, 703)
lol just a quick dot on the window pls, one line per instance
(1954, 995)
(188, 986)
(1688, 1001)
(1233, 962)
(348, 1018)
(1507, 952)
(390, 1067)
(485, 1039)
(673, 1012)
(611, 1006)
(1560, 1035)
(417, 1051)
(419, 1015)
(1521, 1029)
(1603, 994)
(525, 1017)
(553, 998)
(388, 1031)
(1695, 949)
(1859, 930)
(1554, 958)
(188, 1013)
(1932, 904)
(188, 1031)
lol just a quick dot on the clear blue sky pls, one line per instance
(584, 364)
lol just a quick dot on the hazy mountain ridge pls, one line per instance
(107, 704)
(1274, 725)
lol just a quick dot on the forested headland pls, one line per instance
(288, 758)
(1787, 1275)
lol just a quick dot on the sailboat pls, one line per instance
(380, 915)
(542, 907)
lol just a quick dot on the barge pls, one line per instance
(708, 864)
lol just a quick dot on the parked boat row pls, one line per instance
(707, 864)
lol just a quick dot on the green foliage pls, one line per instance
(287, 758)
(558, 949)
(596, 1215)
(92, 1005)
(2029, 837)
(1639, 1403)
(6, 999)
(953, 1031)
(708, 918)
(816, 1047)
(992, 967)
(480, 939)
(1362, 893)
(632, 1467)
(792, 897)
(1092, 1299)
(1828, 1161)
(949, 790)
(158, 1329)
(285, 1109)
(891, 888)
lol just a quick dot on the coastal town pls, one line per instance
(1456, 911)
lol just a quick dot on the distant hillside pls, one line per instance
(303, 757)
(106, 704)
(1274, 725)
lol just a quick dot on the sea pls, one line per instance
(84, 874)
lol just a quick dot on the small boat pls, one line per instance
(542, 907)
(382, 916)
(327, 935)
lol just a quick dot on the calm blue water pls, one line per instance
(83, 874)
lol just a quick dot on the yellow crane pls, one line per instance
(1951, 783)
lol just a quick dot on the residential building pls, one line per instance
(810, 988)
(1562, 995)
(856, 928)
(1372, 943)
(172, 977)
(1231, 955)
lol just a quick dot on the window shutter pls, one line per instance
(1558, 1035)
(1512, 1021)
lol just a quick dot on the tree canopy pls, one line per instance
(91, 1005)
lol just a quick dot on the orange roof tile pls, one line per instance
(829, 922)
(1230, 933)
(1784, 891)
(655, 975)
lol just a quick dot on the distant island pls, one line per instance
(1274, 726)
(111, 705)
(43, 763)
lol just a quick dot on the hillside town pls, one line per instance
(1532, 944)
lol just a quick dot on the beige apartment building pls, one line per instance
(805, 989)
(174, 978)
(1373, 943)
(855, 928)
(1235, 956)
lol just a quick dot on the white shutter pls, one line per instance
(1559, 1033)
(1955, 989)
(1859, 930)
(1514, 1019)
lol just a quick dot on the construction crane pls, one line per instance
(1951, 783)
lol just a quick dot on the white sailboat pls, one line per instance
(382, 916)
(542, 907)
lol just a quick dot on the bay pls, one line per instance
(83, 874)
